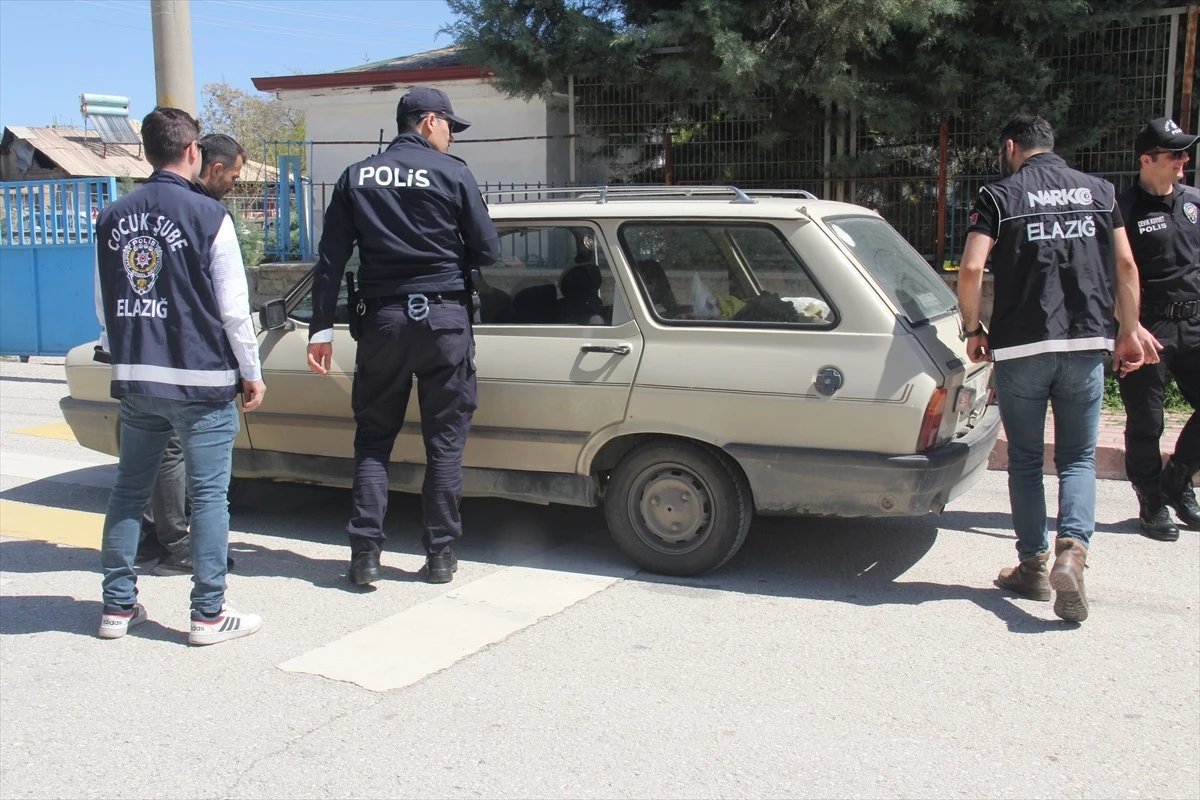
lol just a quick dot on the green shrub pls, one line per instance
(1173, 402)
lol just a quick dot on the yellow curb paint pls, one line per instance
(55, 525)
(57, 430)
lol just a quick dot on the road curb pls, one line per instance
(1110, 449)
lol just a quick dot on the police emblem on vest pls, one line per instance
(143, 259)
(1189, 210)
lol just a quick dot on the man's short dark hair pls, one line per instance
(408, 123)
(1028, 132)
(219, 148)
(166, 134)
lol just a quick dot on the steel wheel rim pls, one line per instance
(671, 508)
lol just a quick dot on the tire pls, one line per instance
(677, 508)
(238, 488)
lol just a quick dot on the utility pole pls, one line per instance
(174, 77)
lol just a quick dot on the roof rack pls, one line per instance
(603, 193)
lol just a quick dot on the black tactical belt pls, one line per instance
(1181, 310)
(376, 303)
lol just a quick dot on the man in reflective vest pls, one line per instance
(175, 318)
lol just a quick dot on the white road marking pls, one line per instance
(427, 638)
(59, 470)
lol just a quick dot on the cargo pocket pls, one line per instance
(448, 327)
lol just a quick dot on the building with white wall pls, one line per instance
(509, 141)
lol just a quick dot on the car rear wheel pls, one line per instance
(677, 508)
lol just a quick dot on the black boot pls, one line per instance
(440, 567)
(364, 568)
(1177, 490)
(1156, 520)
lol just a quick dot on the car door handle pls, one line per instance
(618, 349)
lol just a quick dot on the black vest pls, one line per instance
(1054, 263)
(160, 310)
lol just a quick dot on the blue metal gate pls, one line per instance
(48, 264)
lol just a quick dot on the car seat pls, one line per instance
(580, 303)
(535, 304)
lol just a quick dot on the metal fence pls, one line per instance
(48, 264)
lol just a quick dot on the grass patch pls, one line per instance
(1173, 403)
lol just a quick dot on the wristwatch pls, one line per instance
(977, 332)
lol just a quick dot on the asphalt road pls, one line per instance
(828, 659)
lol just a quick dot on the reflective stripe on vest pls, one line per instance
(181, 377)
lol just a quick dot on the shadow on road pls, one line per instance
(24, 614)
(849, 561)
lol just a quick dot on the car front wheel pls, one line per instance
(677, 508)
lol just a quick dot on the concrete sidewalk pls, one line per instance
(1110, 449)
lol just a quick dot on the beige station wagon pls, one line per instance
(685, 357)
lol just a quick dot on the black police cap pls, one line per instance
(1163, 134)
(423, 99)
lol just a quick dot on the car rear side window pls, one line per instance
(900, 271)
(722, 273)
(550, 274)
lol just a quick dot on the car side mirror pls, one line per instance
(273, 315)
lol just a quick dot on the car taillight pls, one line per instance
(933, 420)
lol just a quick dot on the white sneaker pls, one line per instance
(116, 622)
(231, 624)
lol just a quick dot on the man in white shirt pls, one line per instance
(176, 321)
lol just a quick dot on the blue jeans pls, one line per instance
(1073, 384)
(206, 431)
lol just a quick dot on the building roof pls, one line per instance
(81, 154)
(432, 66)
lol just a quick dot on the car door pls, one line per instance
(557, 350)
(303, 412)
(556, 355)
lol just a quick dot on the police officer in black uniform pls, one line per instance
(1063, 271)
(421, 225)
(1161, 218)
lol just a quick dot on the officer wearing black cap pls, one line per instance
(421, 225)
(1161, 218)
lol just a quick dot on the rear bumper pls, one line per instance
(852, 484)
(96, 425)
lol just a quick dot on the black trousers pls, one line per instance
(440, 353)
(1142, 393)
(166, 518)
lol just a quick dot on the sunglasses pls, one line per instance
(1176, 155)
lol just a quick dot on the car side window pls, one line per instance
(303, 310)
(549, 275)
(723, 273)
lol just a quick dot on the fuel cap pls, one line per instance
(829, 380)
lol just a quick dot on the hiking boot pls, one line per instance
(1176, 482)
(440, 567)
(1154, 516)
(116, 621)
(1029, 579)
(229, 623)
(1070, 601)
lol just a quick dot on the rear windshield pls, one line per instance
(908, 280)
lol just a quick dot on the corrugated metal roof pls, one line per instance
(443, 57)
(81, 154)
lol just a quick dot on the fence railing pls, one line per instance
(52, 212)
